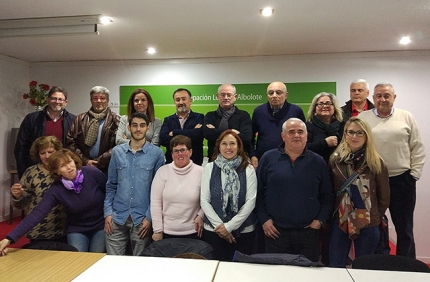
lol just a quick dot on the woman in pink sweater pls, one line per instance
(175, 195)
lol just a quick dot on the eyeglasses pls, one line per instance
(277, 92)
(321, 105)
(59, 100)
(179, 151)
(351, 133)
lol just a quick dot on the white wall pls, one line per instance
(407, 71)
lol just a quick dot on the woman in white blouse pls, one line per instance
(229, 188)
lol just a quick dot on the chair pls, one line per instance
(172, 247)
(389, 262)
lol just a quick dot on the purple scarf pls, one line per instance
(75, 184)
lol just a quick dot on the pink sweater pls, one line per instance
(175, 199)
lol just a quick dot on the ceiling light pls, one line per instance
(267, 12)
(405, 40)
(105, 20)
(70, 25)
(151, 50)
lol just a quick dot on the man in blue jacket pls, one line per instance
(183, 122)
(268, 118)
(294, 195)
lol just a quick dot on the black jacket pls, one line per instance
(347, 109)
(33, 127)
(171, 123)
(240, 120)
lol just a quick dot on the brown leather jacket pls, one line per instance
(78, 131)
(379, 189)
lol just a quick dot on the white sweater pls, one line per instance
(398, 141)
(175, 199)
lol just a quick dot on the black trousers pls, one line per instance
(303, 241)
(223, 250)
(402, 206)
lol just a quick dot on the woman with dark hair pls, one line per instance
(81, 191)
(140, 101)
(33, 185)
(228, 195)
(175, 195)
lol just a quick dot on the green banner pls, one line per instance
(204, 96)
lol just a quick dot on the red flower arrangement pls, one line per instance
(38, 93)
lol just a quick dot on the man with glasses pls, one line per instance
(295, 194)
(398, 141)
(358, 92)
(127, 205)
(92, 134)
(52, 120)
(268, 118)
(227, 116)
(183, 122)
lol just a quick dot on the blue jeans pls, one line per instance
(365, 244)
(88, 242)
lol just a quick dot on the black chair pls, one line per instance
(172, 247)
(389, 262)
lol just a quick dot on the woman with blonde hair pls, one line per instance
(360, 180)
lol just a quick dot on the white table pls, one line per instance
(360, 275)
(130, 268)
(235, 271)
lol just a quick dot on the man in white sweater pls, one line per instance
(398, 141)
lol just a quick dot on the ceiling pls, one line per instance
(221, 28)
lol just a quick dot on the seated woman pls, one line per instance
(324, 125)
(140, 101)
(229, 189)
(360, 179)
(33, 184)
(81, 191)
(175, 195)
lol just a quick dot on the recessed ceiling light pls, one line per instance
(151, 50)
(105, 20)
(405, 40)
(267, 12)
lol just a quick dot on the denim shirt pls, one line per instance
(129, 182)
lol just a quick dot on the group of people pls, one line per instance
(277, 182)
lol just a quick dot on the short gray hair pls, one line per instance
(227, 84)
(360, 81)
(284, 125)
(99, 89)
(384, 84)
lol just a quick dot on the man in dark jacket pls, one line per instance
(358, 91)
(268, 118)
(183, 122)
(227, 116)
(92, 134)
(52, 120)
(295, 194)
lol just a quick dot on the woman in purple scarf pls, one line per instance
(81, 191)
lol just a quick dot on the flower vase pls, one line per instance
(38, 108)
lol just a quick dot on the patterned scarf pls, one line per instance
(226, 114)
(93, 130)
(231, 185)
(76, 184)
